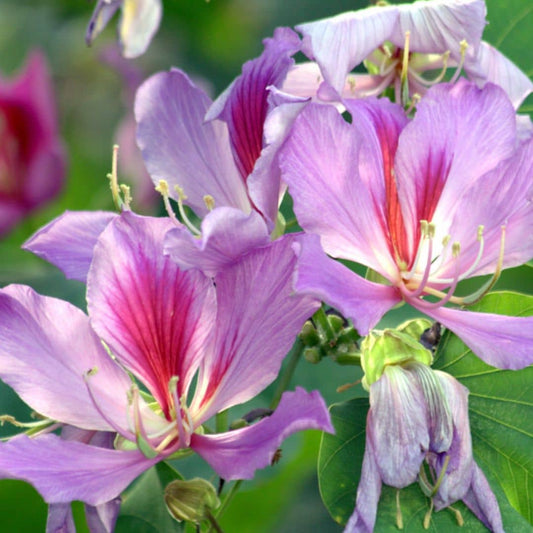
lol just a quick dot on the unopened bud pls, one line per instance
(191, 500)
(312, 355)
(336, 322)
(309, 335)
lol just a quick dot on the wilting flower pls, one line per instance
(32, 161)
(138, 23)
(399, 44)
(417, 415)
(225, 169)
(423, 203)
(163, 326)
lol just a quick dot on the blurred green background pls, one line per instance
(210, 41)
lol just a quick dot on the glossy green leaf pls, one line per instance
(501, 406)
(143, 509)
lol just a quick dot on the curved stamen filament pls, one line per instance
(162, 189)
(428, 83)
(182, 431)
(425, 277)
(184, 217)
(423, 233)
(464, 46)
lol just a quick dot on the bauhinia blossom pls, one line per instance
(424, 203)
(138, 23)
(399, 44)
(217, 158)
(417, 415)
(32, 160)
(163, 326)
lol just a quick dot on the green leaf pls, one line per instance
(501, 406)
(143, 509)
(339, 469)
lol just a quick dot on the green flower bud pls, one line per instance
(309, 335)
(389, 347)
(191, 500)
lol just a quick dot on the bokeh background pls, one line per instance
(210, 41)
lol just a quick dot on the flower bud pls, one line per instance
(191, 500)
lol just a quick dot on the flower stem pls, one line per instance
(224, 505)
(285, 379)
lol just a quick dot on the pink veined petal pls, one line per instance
(364, 302)
(238, 454)
(334, 194)
(179, 147)
(46, 349)
(340, 43)
(68, 241)
(139, 21)
(244, 105)
(303, 80)
(476, 132)
(258, 318)
(363, 517)
(227, 234)
(490, 65)
(441, 25)
(156, 319)
(482, 502)
(501, 341)
(64, 471)
(397, 425)
(502, 198)
(60, 519)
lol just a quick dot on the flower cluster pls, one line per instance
(423, 179)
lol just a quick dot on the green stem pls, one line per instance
(323, 325)
(225, 503)
(285, 379)
(221, 421)
(213, 522)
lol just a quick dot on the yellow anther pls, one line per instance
(352, 83)
(431, 230)
(209, 202)
(162, 188)
(424, 228)
(180, 192)
(480, 230)
(464, 45)
(446, 240)
(458, 516)
(456, 248)
(126, 194)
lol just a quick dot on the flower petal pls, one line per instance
(335, 175)
(244, 105)
(155, 318)
(437, 27)
(501, 341)
(60, 519)
(364, 302)
(258, 318)
(46, 349)
(227, 234)
(179, 147)
(363, 517)
(102, 14)
(238, 454)
(63, 471)
(102, 518)
(476, 132)
(340, 43)
(138, 24)
(68, 241)
(482, 502)
(398, 426)
(490, 65)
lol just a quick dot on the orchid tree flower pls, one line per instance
(153, 325)
(139, 22)
(32, 159)
(218, 158)
(417, 415)
(399, 44)
(423, 203)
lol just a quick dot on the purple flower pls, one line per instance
(138, 23)
(163, 326)
(424, 204)
(32, 161)
(225, 167)
(398, 44)
(420, 415)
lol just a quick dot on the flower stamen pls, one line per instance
(184, 217)
(464, 45)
